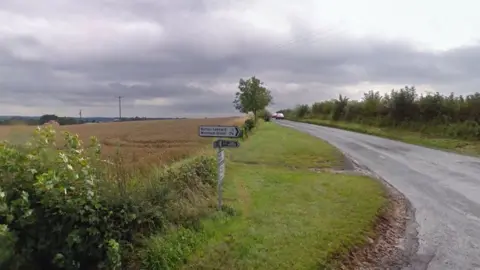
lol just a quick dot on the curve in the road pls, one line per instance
(443, 188)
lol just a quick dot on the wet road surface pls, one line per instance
(443, 188)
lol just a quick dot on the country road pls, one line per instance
(443, 188)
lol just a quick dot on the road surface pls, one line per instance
(443, 188)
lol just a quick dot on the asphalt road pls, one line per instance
(443, 188)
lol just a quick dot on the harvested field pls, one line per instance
(139, 143)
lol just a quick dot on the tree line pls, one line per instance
(456, 116)
(41, 120)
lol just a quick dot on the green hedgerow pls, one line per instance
(62, 212)
(50, 202)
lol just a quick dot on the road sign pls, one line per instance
(225, 144)
(220, 131)
(219, 144)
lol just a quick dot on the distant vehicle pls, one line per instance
(274, 115)
(279, 116)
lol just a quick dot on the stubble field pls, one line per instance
(140, 143)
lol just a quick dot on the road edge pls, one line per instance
(400, 252)
(404, 250)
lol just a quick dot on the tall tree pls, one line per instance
(252, 96)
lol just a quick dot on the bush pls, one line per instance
(249, 124)
(6, 238)
(64, 215)
(267, 116)
(53, 206)
(302, 111)
(186, 190)
(247, 127)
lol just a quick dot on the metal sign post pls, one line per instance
(221, 174)
(219, 144)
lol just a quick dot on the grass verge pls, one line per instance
(289, 217)
(418, 138)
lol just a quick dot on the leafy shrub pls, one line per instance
(244, 131)
(6, 238)
(247, 127)
(302, 111)
(64, 215)
(186, 190)
(267, 116)
(249, 124)
(339, 107)
(262, 114)
(53, 206)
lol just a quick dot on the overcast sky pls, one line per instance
(185, 57)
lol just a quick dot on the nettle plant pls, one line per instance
(49, 201)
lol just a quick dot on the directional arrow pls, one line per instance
(220, 131)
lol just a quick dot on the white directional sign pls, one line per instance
(225, 144)
(220, 131)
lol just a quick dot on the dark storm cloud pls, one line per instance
(85, 53)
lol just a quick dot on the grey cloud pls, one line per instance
(188, 46)
(107, 93)
(209, 104)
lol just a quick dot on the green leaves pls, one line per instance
(43, 189)
(302, 110)
(253, 96)
(65, 214)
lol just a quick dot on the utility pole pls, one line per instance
(120, 108)
(80, 114)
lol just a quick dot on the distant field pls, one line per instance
(139, 142)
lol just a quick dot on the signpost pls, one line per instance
(225, 144)
(219, 144)
(220, 131)
(221, 175)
